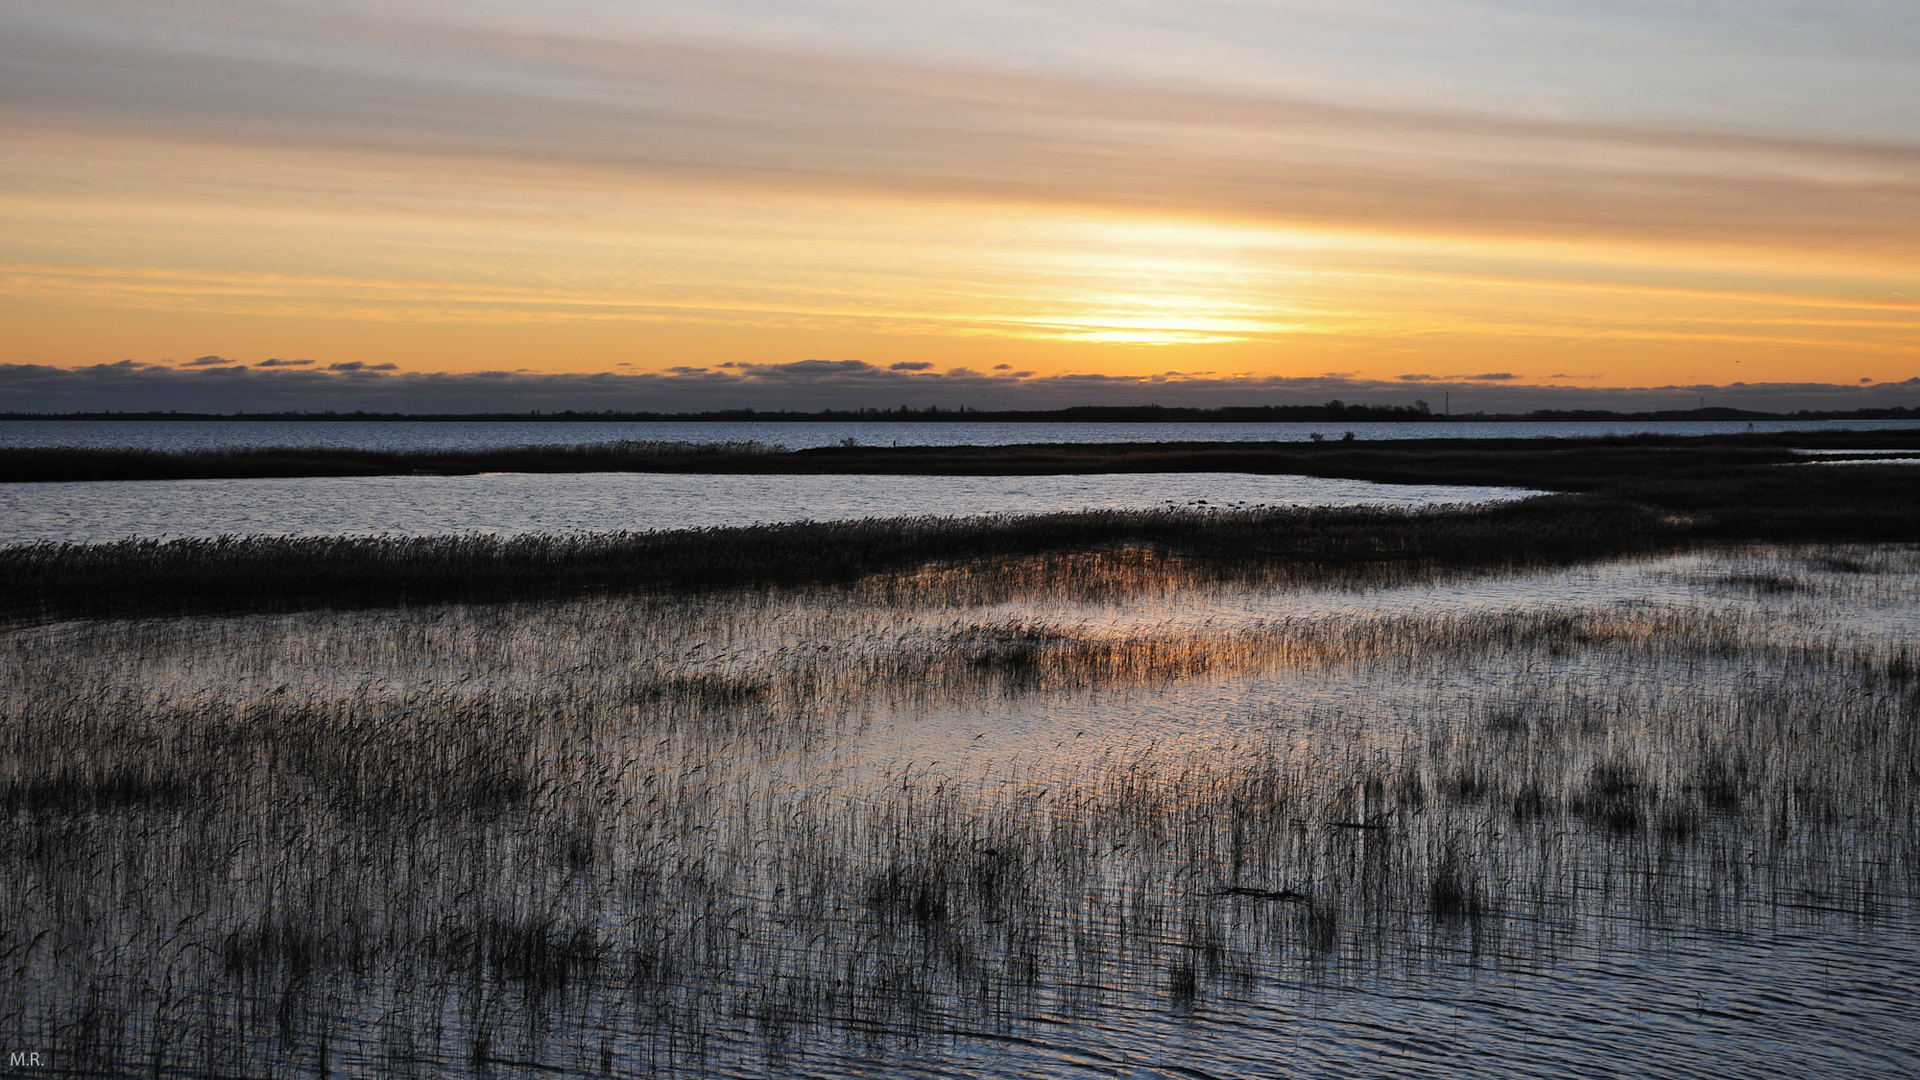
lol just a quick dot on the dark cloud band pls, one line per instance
(810, 385)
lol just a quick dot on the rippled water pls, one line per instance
(1781, 1000)
(1879, 460)
(1862, 454)
(717, 747)
(473, 435)
(520, 503)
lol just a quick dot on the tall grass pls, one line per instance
(1568, 464)
(278, 573)
(1639, 496)
(68, 464)
(649, 833)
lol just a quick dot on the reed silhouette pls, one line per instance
(668, 831)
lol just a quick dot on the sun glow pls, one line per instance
(648, 205)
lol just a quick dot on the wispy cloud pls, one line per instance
(1490, 376)
(530, 97)
(1400, 185)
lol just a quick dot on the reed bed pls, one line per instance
(667, 833)
(1574, 464)
(47, 580)
(70, 464)
(1636, 497)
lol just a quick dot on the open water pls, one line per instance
(512, 504)
(509, 504)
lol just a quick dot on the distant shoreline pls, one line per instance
(1618, 496)
(1560, 464)
(1331, 412)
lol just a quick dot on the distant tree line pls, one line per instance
(1333, 410)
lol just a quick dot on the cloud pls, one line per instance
(807, 173)
(360, 365)
(603, 97)
(814, 385)
(209, 361)
(275, 362)
(1492, 376)
(805, 369)
(913, 365)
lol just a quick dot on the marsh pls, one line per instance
(1105, 811)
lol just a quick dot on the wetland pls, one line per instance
(1043, 816)
(1621, 778)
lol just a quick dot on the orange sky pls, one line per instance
(485, 188)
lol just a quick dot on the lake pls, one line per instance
(520, 503)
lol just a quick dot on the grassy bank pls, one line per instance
(282, 573)
(73, 464)
(1559, 464)
(1700, 499)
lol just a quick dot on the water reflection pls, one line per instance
(1117, 818)
(520, 504)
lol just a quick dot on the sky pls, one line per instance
(995, 203)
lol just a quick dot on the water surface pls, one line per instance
(510, 504)
(731, 781)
